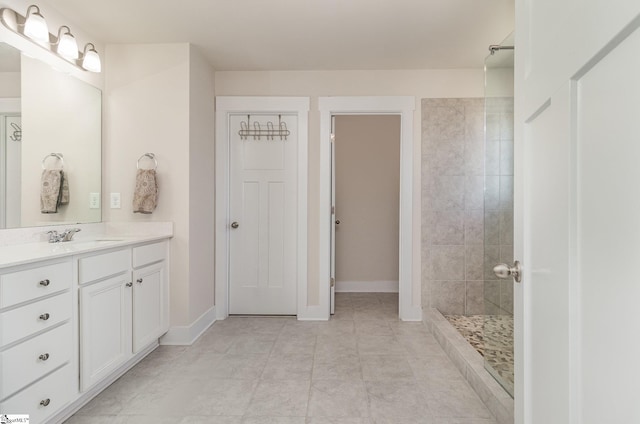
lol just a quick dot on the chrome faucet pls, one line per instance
(66, 235)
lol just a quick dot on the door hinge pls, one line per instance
(333, 210)
(333, 282)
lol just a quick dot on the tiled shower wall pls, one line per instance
(453, 205)
(498, 224)
(460, 236)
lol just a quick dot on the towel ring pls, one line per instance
(55, 155)
(151, 156)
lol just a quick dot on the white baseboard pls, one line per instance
(313, 313)
(367, 286)
(186, 335)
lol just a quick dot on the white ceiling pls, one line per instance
(307, 34)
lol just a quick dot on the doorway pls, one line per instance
(409, 213)
(366, 193)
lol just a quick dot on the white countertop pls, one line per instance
(20, 254)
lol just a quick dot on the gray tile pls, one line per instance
(459, 403)
(338, 398)
(492, 157)
(275, 420)
(448, 227)
(506, 227)
(244, 366)
(379, 345)
(445, 157)
(337, 367)
(448, 296)
(288, 367)
(447, 192)
(280, 398)
(208, 419)
(491, 227)
(385, 367)
(491, 192)
(491, 259)
(474, 192)
(506, 192)
(474, 226)
(475, 298)
(506, 157)
(396, 399)
(222, 397)
(474, 265)
(447, 262)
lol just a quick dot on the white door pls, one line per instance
(263, 217)
(577, 212)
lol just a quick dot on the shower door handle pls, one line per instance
(505, 271)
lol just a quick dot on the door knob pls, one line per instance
(505, 271)
(234, 224)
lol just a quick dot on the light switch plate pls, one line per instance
(115, 200)
(94, 200)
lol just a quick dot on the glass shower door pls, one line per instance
(498, 214)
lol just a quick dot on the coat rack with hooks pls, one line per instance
(256, 130)
(16, 134)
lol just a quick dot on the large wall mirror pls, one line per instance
(49, 121)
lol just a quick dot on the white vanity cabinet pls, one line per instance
(36, 339)
(123, 307)
(150, 294)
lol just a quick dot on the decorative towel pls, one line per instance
(145, 195)
(50, 188)
(64, 191)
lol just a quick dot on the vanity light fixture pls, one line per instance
(66, 45)
(34, 28)
(90, 59)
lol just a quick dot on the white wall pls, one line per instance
(201, 187)
(159, 99)
(9, 84)
(440, 83)
(367, 197)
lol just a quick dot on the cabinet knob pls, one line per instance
(45, 402)
(43, 357)
(44, 317)
(129, 284)
(139, 280)
(45, 283)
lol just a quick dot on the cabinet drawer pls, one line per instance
(105, 265)
(30, 284)
(148, 254)
(25, 363)
(44, 398)
(26, 320)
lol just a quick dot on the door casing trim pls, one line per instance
(410, 308)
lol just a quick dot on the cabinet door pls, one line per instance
(148, 305)
(105, 322)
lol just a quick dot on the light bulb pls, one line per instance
(67, 46)
(91, 59)
(35, 27)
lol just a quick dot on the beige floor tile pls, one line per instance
(280, 398)
(385, 367)
(338, 398)
(288, 367)
(362, 367)
(337, 367)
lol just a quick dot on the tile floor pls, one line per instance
(362, 367)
